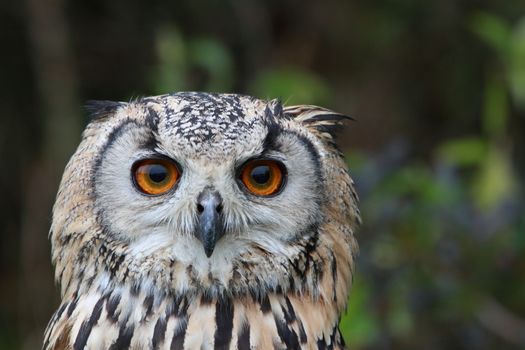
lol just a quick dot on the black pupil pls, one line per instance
(261, 174)
(157, 173)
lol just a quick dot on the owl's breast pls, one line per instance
(124, 319)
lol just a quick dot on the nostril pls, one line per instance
(200, 208)
(219, 208)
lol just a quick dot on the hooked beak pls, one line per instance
(210, 225)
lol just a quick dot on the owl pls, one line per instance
(203, 221)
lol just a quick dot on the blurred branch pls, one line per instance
(55, 76)
(57, 88)
(502, 322)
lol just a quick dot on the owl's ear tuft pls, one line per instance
(273, 109)
(277, 107)
(98, 109)
(322, 120)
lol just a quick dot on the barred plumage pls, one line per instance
(275, 269)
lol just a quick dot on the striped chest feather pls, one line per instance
(124, 320)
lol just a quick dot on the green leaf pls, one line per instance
(170, 72)
(496, 181)
(462, 152)
(492, 30)
(291, 85)
(215, 59)
(516, 70)
(496, 106)
(358, 326)
(399, 318)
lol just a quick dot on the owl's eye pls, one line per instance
(263, 177)
(155, 176)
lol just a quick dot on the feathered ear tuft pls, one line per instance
(323, 120)
(101, 109)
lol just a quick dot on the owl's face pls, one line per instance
(224, 193)
(207, 182)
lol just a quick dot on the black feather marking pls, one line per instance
(116, 261)
(99, 109)
(333, 336)
(333, 269)
(59, 312)
(291, 278)
(177, 342)
(151, 143)
(148, 305)
(336, 117)
(287, 335)
(224, 318)
(124, 338)
(243, 338)
(175, 306)
(111, 307)
(206, 299)
(268, 113)
(265, 305)
(72, 306)
(311, 149)
(179, 307)
(152, 120)
(102, 249)
(159, 333)
(302, 334)
(277, 108)
(87, 326)
(135, 289)
(324, 121)
(321, 344)
(331, 129)
(318, 270)
(269, 143)
(342, 340)
(289, 312)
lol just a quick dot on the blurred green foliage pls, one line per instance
(437, 152)
(508, 42)
(185, 63)
(449, 235)
(446, 233)
(291, 85)
(203, 63)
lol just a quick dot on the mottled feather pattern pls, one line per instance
(133, 276)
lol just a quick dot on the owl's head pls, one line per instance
(198, 192)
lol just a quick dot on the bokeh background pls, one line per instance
(437, 151)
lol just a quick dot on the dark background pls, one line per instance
(437, 152)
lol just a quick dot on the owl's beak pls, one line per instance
(210, 224)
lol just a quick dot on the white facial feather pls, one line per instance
(153, 224)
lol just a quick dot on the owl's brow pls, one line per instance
(270, 143)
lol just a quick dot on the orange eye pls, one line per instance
(155, 176)
(263, 177)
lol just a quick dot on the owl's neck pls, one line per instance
(167, 305)
(310, 268)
